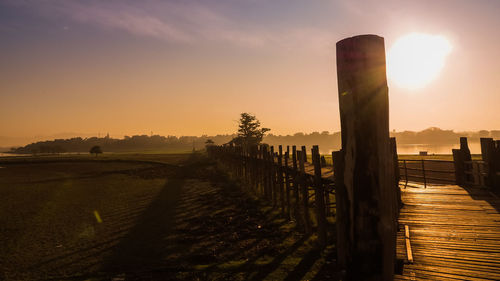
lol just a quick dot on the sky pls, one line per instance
(191, 67)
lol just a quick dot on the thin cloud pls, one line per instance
(182, 22)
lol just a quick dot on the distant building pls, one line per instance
(422, 153)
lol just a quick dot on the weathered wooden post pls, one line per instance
(458, 163)
(319, 197)
(490, 151)
(273, 178)
(397, 177)
(287, 184)
(464, 147)
(265, 172)
(296, 205)
(323, 161)
(365, 190)
(305, 192)
(462, 163)
(280, 178)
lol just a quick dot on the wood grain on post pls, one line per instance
(464, 147)
(305, 193)
(280, 178)
(488, 154)
(458, 162)
(287, 184)
(272, 172)
(368, 165)
(265, 172)
(342, 216)
(319, 197)
(296, 205)
(397, 177)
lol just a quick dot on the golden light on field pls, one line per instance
(416, 59)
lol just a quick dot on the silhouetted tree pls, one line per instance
(95, 150)
(249, 131)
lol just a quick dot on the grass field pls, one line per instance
(142, 217)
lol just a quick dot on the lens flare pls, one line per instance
(416, 59)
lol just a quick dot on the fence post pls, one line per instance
(267, 177)
(281, 184)
(368, 177)
(423, 173)
(323, 161)
(342, 219)
(394, 151)
(273, 178)
(467, 158)
(295, 175)
(319, 196)
(287, 184)
(458, 163)
(490, 151)
(305, 193)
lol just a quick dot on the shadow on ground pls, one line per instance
(200, 225)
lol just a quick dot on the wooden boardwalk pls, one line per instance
(454, 233)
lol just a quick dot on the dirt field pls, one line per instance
(176, 218)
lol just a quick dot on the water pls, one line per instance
(12, 155)
(475, 148)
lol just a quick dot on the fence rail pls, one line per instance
(427, 171)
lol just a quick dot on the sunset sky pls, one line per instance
(190, 67)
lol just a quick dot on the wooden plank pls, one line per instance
(455, 233)
(408, 244)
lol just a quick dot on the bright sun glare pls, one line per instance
(416, 59)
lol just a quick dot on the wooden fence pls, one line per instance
(303, 192)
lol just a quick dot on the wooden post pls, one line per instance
(323, 161)
(464, 147)
(490, 152)
(305, 193)
(368, 172)
(342, 216)
(273, 178)
(394, 152)
(287, 184)
(281, 184)
(265, 171)
(458, 162)
(319, 196)
(304, 152)
(296, 205)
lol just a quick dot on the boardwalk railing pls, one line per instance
(462, 170)
(427, 171)
(303, 192)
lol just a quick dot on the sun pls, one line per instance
(416, 59)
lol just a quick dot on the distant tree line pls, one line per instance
(136, 143)
(331, 141)
(325, 140)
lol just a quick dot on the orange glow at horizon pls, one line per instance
(191, 67)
